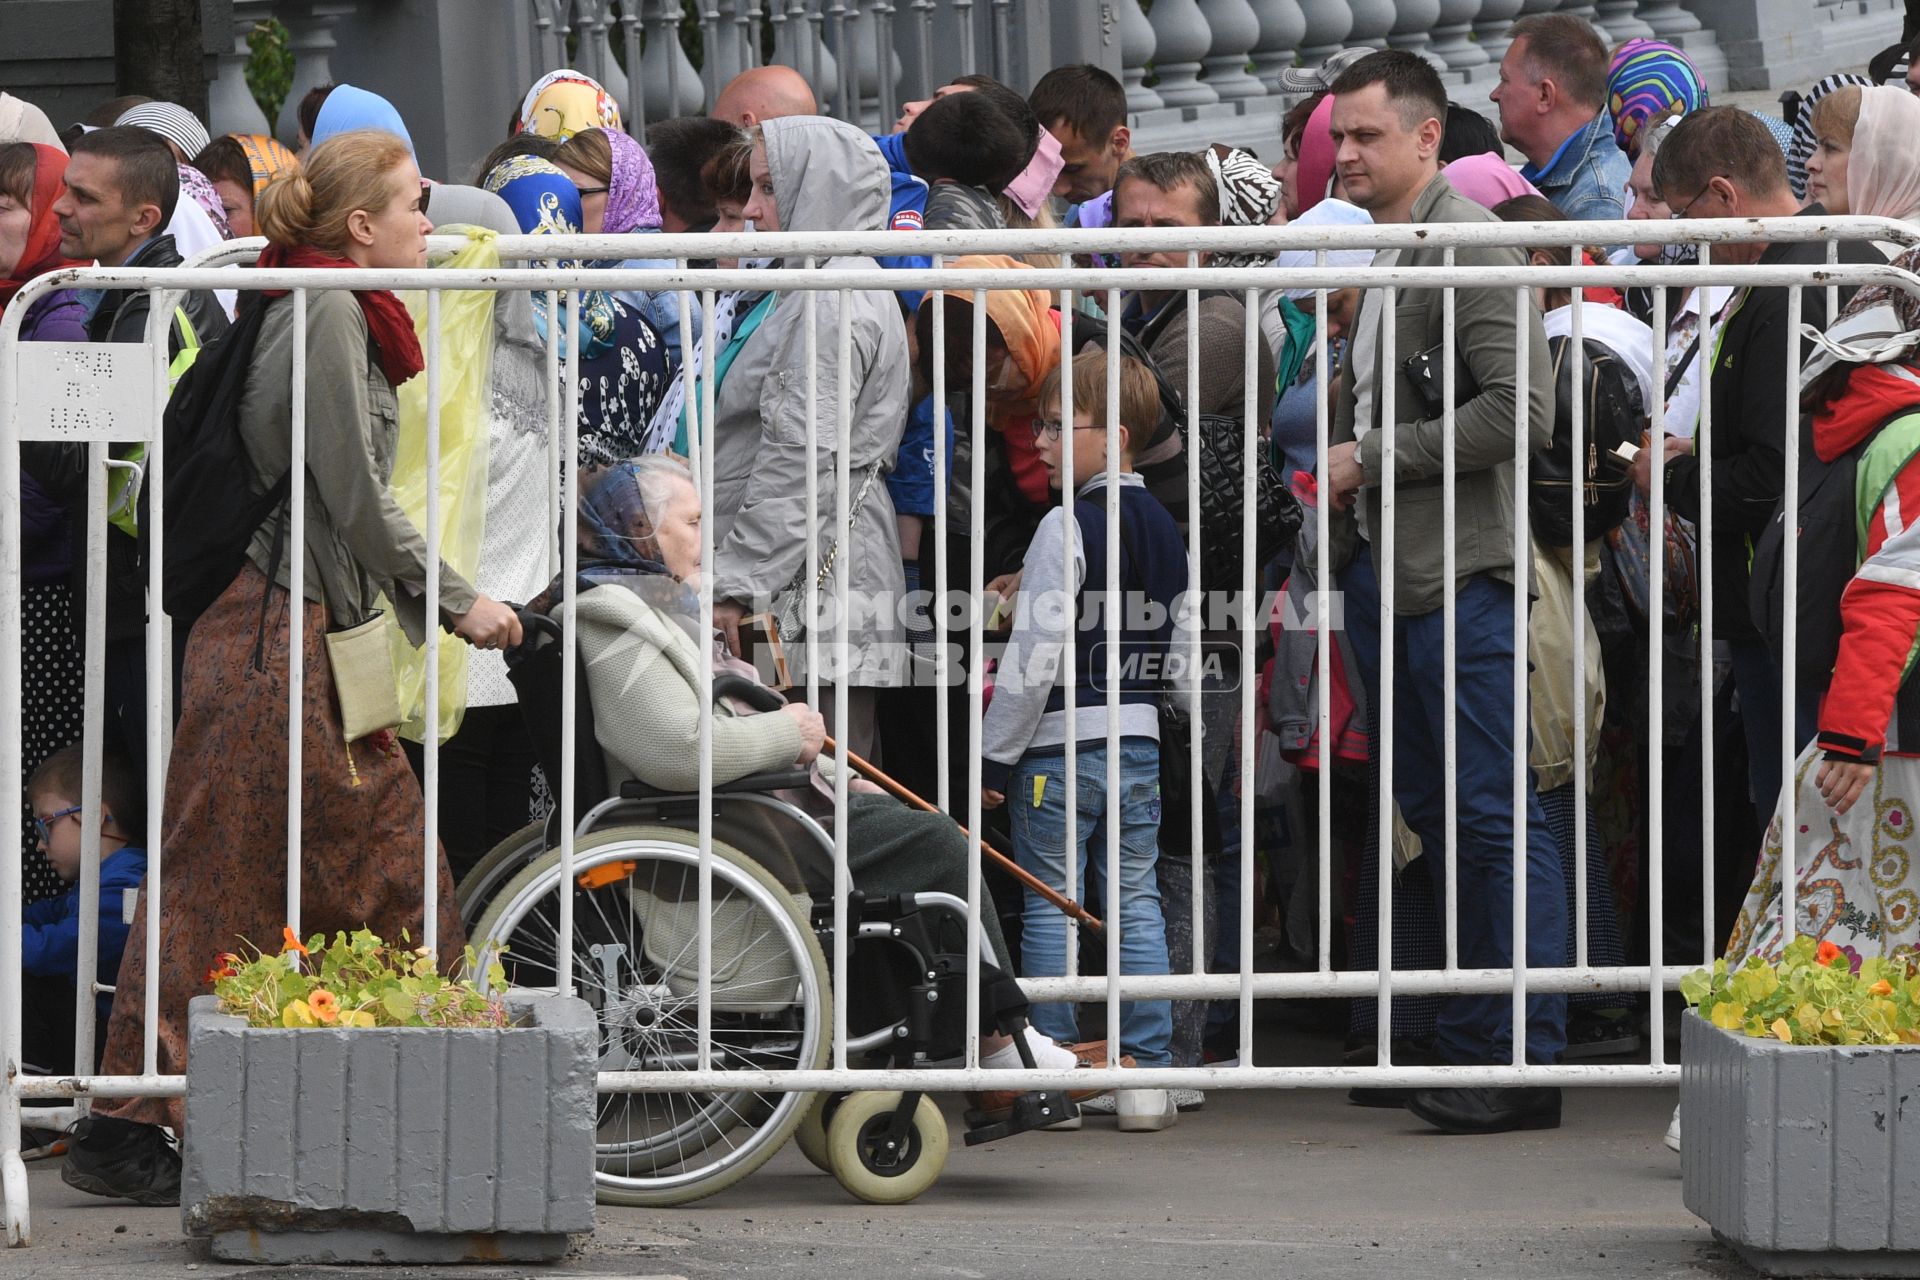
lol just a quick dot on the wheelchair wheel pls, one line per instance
(499, 864)
(635, 952)
(856, 1147)
(811, 1136)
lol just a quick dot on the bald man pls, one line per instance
(765, 93)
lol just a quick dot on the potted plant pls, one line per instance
(1800, 1098)
(347, 1102)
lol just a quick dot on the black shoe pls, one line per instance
(1387, 1099)
(1487, 1110)
(123, 1160)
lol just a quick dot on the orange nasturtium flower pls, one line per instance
(1881, 988)
(325, 1005)
(1827, 953)
(290, 943)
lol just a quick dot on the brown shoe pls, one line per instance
(996, 1105)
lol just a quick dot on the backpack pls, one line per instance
(1613, 415)
(209, 476)
(1221, 446)
(1831, 537)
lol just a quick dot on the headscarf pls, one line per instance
(546, 203)
(266, 157)
(1315, 171)
(42, 251)
(1646, 78)
(21, 121)
(618, 547)
(348, 108)
(1487, 179)
(1906, 307)
(1883, 177)
(1026, 323)
(171, 121)
(562, 103)
(1328, 213)
(1032, 186)
(633, 197)
(1249, 195)
(199, 188)
(1803, 126)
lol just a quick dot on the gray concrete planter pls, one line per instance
(1805, 1159)
(325, 1145)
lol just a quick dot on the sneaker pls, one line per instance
(1673, 1133)
(41, 1144)
(122, 1160)
(1146, 1110)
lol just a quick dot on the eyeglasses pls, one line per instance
(1046, 430)
(1688, 206)
(45, 825)
(593, 191)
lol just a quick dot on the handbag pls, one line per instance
(362, 660)
(789, 611)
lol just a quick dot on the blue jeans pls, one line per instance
(1039, 845)
(1470, 1029)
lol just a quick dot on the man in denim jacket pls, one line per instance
(1552, 98)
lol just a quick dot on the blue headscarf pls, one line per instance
(546, 203)
(348, 108)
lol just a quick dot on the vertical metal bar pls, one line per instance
(159, 653)
(1708, 356)
(1656, 697)
(568, 790)
(976, 626)
(937, 612)
(1324, 591)
(976, 620)
(1790, 622)
(1384, 908)
(924, 11)
(1577, 354)
(812, 587)
(1450, 622)
(969, 62)
(430, 747)
(1070, 649)
(636, 117)
(703, 996)
(296, 664)
(670, 18)
(883, 60)
(557, 460)
(1002, 55)
(1114, 924)
(843, 674)
(709, 23)
(1196, 839)
(1522, 546)
(93, 702)
(693, 372)
(1250, 570)
(13, 1173)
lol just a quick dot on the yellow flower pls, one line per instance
(1782, 1030)
(324, 1005)
(297, 1014)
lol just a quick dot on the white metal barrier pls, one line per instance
(102, 394)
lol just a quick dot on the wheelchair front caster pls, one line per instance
(811, 1136)
(879, 1157)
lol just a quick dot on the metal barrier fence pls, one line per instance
(99, 394)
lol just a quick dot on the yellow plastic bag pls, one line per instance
(466, 365)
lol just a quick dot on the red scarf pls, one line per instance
(42, 252)
(388, 320)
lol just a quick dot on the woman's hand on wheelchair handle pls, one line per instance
(813, 731)
(489, 625)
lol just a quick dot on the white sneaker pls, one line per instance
(1146, 1110)
(1673, 1132)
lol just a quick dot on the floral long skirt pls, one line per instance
(223, 877)
(1854, 883)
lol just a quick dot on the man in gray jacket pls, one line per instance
(1388, 115)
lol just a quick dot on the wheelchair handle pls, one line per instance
(751, 692)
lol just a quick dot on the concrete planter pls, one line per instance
(1805, 1159)
(326, 1145)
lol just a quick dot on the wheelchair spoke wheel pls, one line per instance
(635, 950)
(874, 1166)
(499, 865)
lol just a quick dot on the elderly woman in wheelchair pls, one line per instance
(637, 896)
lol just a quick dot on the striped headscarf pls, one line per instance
(1646, 78)
(1803, 126)
(1249, 195)
(171, 121)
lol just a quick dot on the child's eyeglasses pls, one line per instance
(45, 825)
(1049, 429)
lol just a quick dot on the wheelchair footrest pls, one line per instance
(1035, 1110)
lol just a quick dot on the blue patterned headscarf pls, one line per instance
(546, 203)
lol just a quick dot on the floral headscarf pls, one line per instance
(42, 251)
(266, 157)
(1249, 195)
(562, 103)
(1647, 77)
(633, 198)
(546, 203)
(196, 184)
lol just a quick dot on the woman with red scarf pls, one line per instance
(50, 672)
(357, 202)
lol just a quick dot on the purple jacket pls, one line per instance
(46, 544)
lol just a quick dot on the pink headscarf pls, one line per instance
(1487, 179)
(1883, 174)
(1034, 183)
(1316, 155)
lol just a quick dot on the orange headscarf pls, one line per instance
(42, 252)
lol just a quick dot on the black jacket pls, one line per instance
(1750, 408)
(61, 469)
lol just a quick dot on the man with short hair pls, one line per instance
(1387, 126)
(1721, 162)
(765, 93)
(1552, 99)
(1085, 109)
(680, 148)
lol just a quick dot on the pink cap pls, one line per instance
(1035, 182)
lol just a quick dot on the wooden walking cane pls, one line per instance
(1014, 869)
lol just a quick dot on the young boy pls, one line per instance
(1024, 734)
(50, 939)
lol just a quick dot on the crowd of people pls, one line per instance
(776, 382)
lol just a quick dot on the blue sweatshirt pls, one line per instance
(50, 938)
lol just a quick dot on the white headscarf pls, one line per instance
(1328, 213)
(21, 121)
(1883, 169)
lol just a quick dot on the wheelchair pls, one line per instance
(635, 946)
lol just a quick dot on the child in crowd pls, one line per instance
(50, 938)
(1025, 731)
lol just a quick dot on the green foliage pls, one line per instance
(1813, 996)
(269, 66)
(357, 981)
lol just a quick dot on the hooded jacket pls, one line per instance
(827, 176)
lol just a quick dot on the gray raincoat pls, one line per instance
(827, 176)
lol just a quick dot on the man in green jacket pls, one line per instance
(1388, 116)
